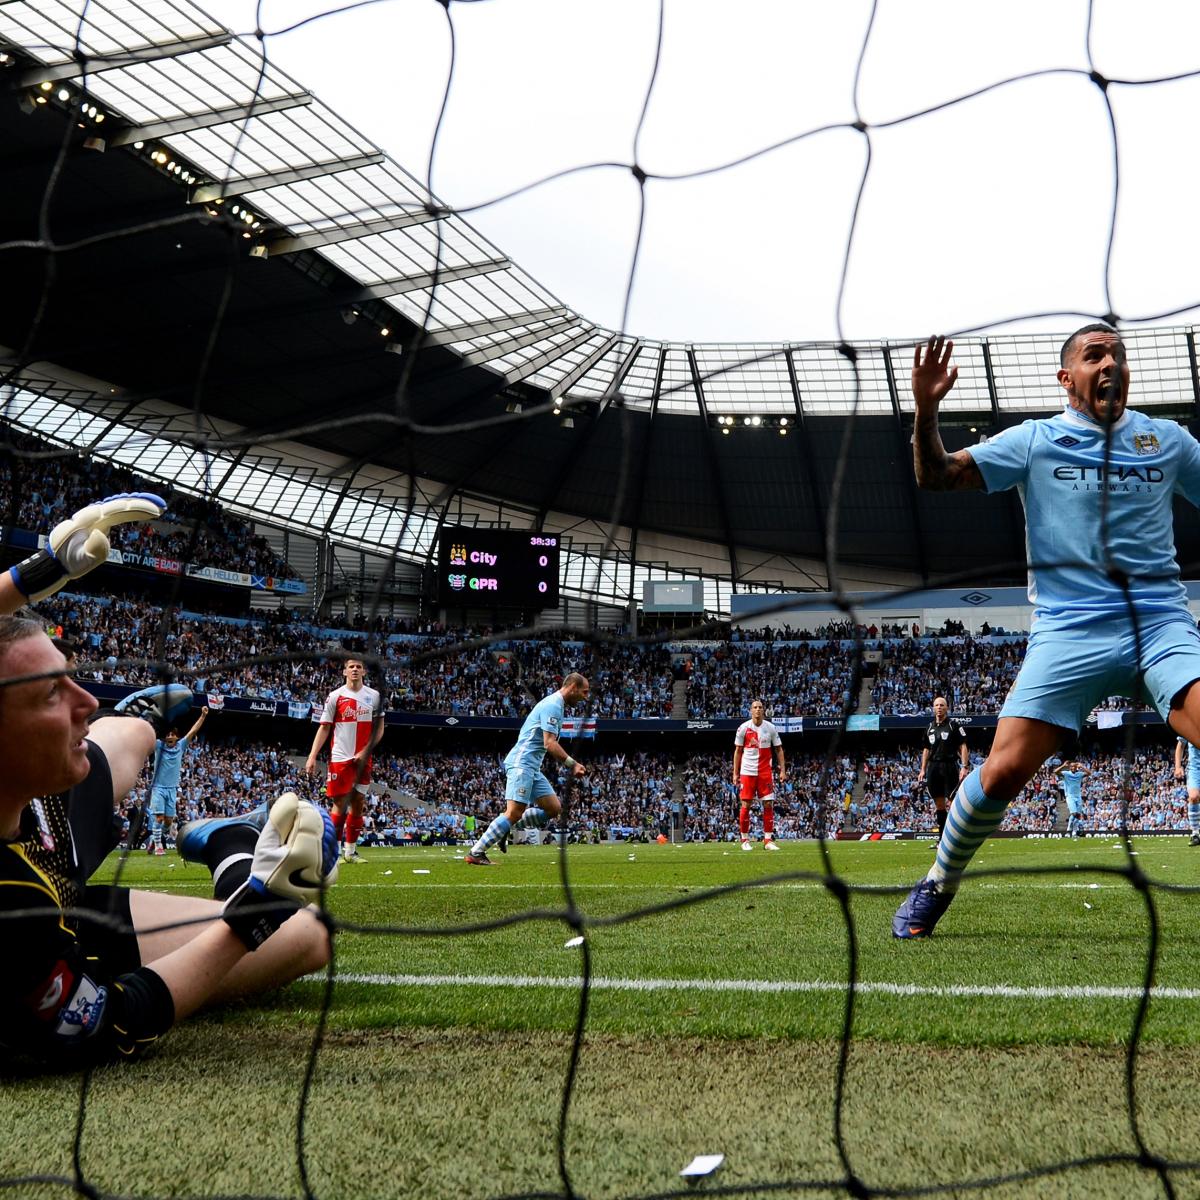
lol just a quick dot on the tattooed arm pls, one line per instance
(932, 379)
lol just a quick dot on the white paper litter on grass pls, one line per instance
(419, 871)
(388, 871)
(570, 943)
(702, 1165)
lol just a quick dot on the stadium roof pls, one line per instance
(240, 252)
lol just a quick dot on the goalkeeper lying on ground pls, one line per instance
(88, 971)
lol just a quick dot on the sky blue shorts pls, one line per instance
(1067, 672)
(162, 800)
(526, 786)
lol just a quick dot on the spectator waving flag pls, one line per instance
(216, 701)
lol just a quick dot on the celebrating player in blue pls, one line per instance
(1192, 776)
(1097, 482)
(164, 788)
(1072, 776)
(531, 801)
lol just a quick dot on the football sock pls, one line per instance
(744, 820)
(532, 818)
(354, 826)
(492, 834)
(1194, 817)
(339, 823)
(768, 821)
(972, 817)
(228, 854)
(940, 814)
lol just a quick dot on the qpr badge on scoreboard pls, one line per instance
(1145, 443)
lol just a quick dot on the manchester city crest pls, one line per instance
(1145, 443)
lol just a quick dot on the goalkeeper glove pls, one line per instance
(79, 545)
(294, 860)
(162, 705)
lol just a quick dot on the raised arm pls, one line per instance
(195, 729)
(932, 379)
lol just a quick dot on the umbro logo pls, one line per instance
(976, 598)
(1066, 441)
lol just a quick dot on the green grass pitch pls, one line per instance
(995, 1047)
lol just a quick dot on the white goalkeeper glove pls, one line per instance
(80, 544)
(295, 858)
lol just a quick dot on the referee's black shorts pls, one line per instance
(941, 778)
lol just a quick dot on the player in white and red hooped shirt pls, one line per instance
(354, 715)
(752, 746)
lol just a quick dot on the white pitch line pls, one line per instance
(601, 983)
(1025, 885)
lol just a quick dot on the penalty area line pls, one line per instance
(602, 983)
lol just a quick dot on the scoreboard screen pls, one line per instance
(497, 568)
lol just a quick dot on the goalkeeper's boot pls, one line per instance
(478, 860)
(193, 836)
(921, 910)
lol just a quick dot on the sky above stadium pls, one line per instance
(992, 208)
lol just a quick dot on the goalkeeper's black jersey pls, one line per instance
(55, 982)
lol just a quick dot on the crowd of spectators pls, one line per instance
(838, 631)
(711, 806)
(37, 493)
(628, 682)
(431, 668)
(790, 678)
(504, 681)
(973, 675)
(892, 801)
(428, 795)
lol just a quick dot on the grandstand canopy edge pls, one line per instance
(999, 607)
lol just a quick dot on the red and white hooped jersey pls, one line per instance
(353, 716)
(752, 738)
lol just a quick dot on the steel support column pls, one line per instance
(907, 470)
(715, 466)
(808, 463)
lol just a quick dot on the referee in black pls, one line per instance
(945, 741)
